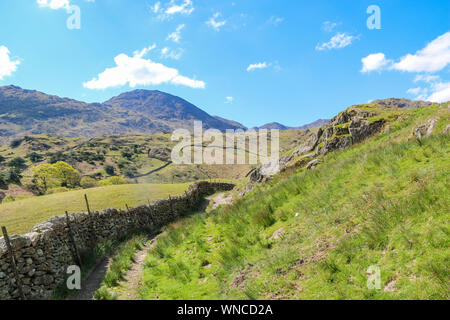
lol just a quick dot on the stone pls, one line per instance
(312, 164)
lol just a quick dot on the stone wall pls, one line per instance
(43, 255)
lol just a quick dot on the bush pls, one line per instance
(112, 181)
(88, 182)
(109, 170)
(8, 198)
(12, 175)
(2, 159)
(34, 157)
(15, 143)
(17, 163)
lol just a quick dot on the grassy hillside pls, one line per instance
(140, 159)
(20, 216)
(313, 234)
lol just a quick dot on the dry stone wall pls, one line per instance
(43, 255)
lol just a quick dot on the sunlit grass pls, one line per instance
(21, 216)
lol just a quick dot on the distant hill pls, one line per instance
(27, 112)
(279, 126)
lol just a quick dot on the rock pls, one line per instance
(446, 129)
(29, 261)
(426, 129)
(277, 234)
(387, 129)
(312, 164)
(2, 275)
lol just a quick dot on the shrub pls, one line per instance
(12, 175)
(112, 181)
(15, 143)
(17, 163)
(2, 159)
(34, 157)
(88, 182)
(109, 170)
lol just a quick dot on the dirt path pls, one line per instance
(220, 199)
(92, 281)
(129, 287)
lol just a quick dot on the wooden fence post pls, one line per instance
(13, 263)
(91, 222)
(76, 253)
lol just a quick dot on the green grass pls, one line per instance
(120, 264)
(20, 216)
(384, 202)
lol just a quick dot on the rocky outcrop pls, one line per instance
(425, 129)
(401, 103)
(347, 128)
(43, 255)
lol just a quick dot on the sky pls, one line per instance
(252, 61)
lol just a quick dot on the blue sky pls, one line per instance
(251, 61)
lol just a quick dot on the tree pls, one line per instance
(68, 176)
(12, 175)
(41, 174)
(60, 171)
(17, 163)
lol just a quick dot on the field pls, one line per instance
(20, 216)
(382, 205)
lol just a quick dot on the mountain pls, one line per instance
(279, 126)
(27, 112)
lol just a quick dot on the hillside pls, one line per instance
(314, 231)
(27, 112)
(137, 158)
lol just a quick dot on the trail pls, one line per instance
(129, 287)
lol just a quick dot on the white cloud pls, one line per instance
(229, 99)
(136, 71)
(426, 78)
(338, 41)
(176, 35)
(144, 51)
(167, 53)
(184, 7)
(375, 61)
(214, 23)
(329, 26)
(54, 4)
(275, 20)
(434, 57)
(7, 66)
(155, 8)
(415, 91)
(253, 67)
(441, 92)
